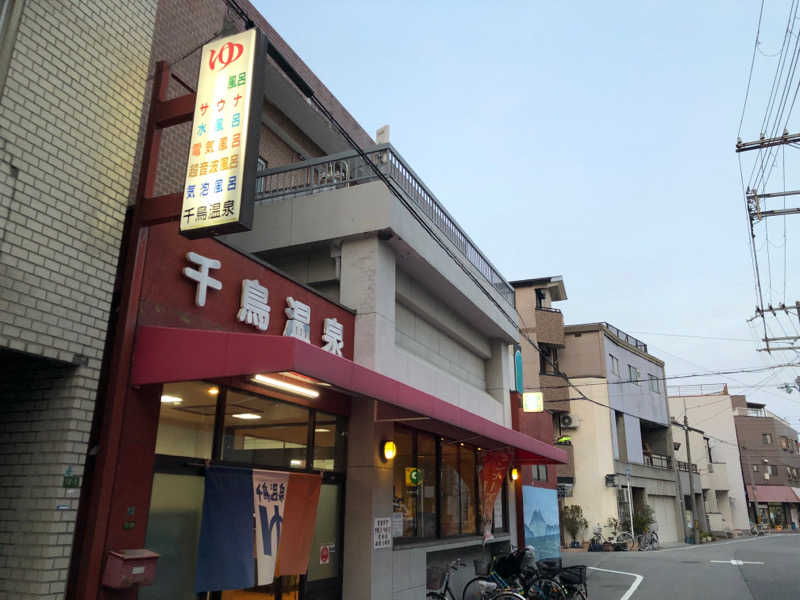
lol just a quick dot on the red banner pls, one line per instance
(492, 470)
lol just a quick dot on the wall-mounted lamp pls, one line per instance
(388, 450)
(514, 473)
(676, 446)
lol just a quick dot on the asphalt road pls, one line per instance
(689, 573)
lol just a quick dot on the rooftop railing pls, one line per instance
(348, 168)
(625, 337)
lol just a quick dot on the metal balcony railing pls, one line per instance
(658, 461)
(625, 337)
(348, 168)
(549, 309)
(684, 466)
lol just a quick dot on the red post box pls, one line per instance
(125, 568)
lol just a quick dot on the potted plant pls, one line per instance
(573, 520)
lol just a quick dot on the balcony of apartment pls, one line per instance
(549, 326)
(750, 412)
(567, 470)
(658, 461)
(350, 169)
(715, 477)
(685, 470)
(555, 392)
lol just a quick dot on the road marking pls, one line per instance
(716, 544)
(631, 589)
(737, 563)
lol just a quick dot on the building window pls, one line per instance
(614, 364)
(653, 381)
(773, 470)
(419, 485)
(755, 468)
(540, 298)
(261, 181)
(548, 359)
(539, 472)
(633, 374)
(766, 438)
(256, 430)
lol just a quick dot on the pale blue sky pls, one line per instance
(591, 140)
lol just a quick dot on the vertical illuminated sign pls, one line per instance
(220, 178)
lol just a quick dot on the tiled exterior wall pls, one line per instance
(69, 117)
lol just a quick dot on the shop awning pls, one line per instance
(771, 493)
(165, 354)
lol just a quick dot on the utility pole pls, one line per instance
(689, 469)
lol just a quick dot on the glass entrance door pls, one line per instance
(324, 566)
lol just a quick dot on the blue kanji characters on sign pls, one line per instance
(217, 186)
(232, 183)
(190, 191)
(219, 124)
(204, 189)
(201, 129)
(237, 120)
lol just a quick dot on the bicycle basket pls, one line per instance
(574, 575)
(436, 577)
(481, 567)
(549, 567)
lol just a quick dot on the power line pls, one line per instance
(752, 62)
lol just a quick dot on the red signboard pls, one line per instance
(204, 284)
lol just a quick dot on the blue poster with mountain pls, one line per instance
(540, 511)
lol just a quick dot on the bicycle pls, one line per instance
(649, 540)
(438, 585)
(624, 538)
(572, 579)
(512, 575)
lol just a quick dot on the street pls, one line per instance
(763, 568)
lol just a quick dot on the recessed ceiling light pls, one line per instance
(286, 386)
(295, 462)
(246, 416)
(213, 390)
(171, 399)
(321, 430)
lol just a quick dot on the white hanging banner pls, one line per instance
(269, 493)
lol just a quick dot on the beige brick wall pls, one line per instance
(69, 119)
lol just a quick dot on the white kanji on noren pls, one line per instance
(298, 322)
(333, 336)
(201, 276)
(254, 310)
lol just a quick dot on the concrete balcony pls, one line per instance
(568, 469)
(716, 478)
(555, 392)
(550, 326)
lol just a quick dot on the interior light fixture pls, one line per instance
(171, 399)
(388, 450)
(213, 391)
(295, 462)
(321, 430)
(514, 473)
(286, 386)
(246, 416)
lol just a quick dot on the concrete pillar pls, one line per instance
(367, 571)
(498, 378)
(367, 284)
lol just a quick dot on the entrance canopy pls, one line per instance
(771, 493)
(166, 354)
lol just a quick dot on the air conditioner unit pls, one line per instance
(766, 475)
(568, 421)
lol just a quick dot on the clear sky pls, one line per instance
(593, 140)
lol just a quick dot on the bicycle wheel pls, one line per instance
(435, 596)
(506, 595)
(640, 542)
(546, 589)
(576, 593)
(654, 543)
(473, 590)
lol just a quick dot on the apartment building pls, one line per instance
(542, 338)
(770, 462)
(616, 416)
(721, 475)
(382, 368)
(72, 83)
